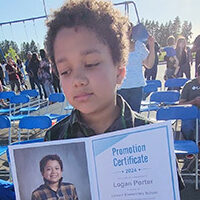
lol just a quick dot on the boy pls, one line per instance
(170, 57)
(90, 49)
(51, 168)
(88, 42)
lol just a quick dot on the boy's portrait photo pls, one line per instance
(57, 171)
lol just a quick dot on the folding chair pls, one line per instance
(157, 83)
(182, 112)
(20, 100)
(56, 98)
(159, 99)
(6, 95)
(5, 124)
(33, 105)
(33, 122)
(148, 89)
(175, 83)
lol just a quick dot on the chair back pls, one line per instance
(157, 83)
(168, 97)
(57, 97)
(34, 122)
(6, 94)
(182, 112)
(19, 99)
(4, 122)
(175, 82)
(30, 93)
(150, 88)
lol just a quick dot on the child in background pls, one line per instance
(172, 61)
(88, 42)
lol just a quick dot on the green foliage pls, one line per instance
(11, 53)
(11, 48)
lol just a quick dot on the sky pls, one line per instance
(159, 10)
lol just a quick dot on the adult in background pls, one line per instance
(56, 79)
(33, 67)
(31, 80)
(190, 95)
(196, 49)
(44, 74)
(2, 76)
(132, 87)
(183, 54)
(12, 71)
(150, 74)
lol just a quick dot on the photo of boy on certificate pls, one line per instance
(42, 171)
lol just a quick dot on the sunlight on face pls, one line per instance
(87, 72)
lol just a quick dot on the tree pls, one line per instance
(25, 47)
(11, 53)
(186, 30)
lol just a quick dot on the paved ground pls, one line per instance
(189, 193)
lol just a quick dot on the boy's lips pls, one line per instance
(83, 96)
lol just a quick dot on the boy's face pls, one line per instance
(52, 171)
(88, 75)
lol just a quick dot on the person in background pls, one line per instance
(12, 71)
(184, 57)
(6, 77)
(132, 86)
(33, 67)
(2, 75)
(31, 79)
(190, 95)
(44, 74)
(2, 102)
(150, 74)
(171, 59)
(20, 65)
(196, 49)
(56, 79)
(51, 168)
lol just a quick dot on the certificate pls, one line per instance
(130, 164)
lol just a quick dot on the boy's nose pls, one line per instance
(80, 79)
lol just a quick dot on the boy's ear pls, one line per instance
(121, 74)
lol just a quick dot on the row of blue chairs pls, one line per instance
(183, 147)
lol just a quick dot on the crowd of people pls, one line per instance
(38, 70)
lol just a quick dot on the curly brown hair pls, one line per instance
(100, 17)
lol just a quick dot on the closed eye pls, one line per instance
(66, 72)
(92, 65)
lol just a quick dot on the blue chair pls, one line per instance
(5, 124)
(157, 83)
(182, 112)
(6, 95)
(6, 190)
(159, 99)
(18, 100)
(33, 105)
(33, 122)
(56, 98)
(175, 83)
